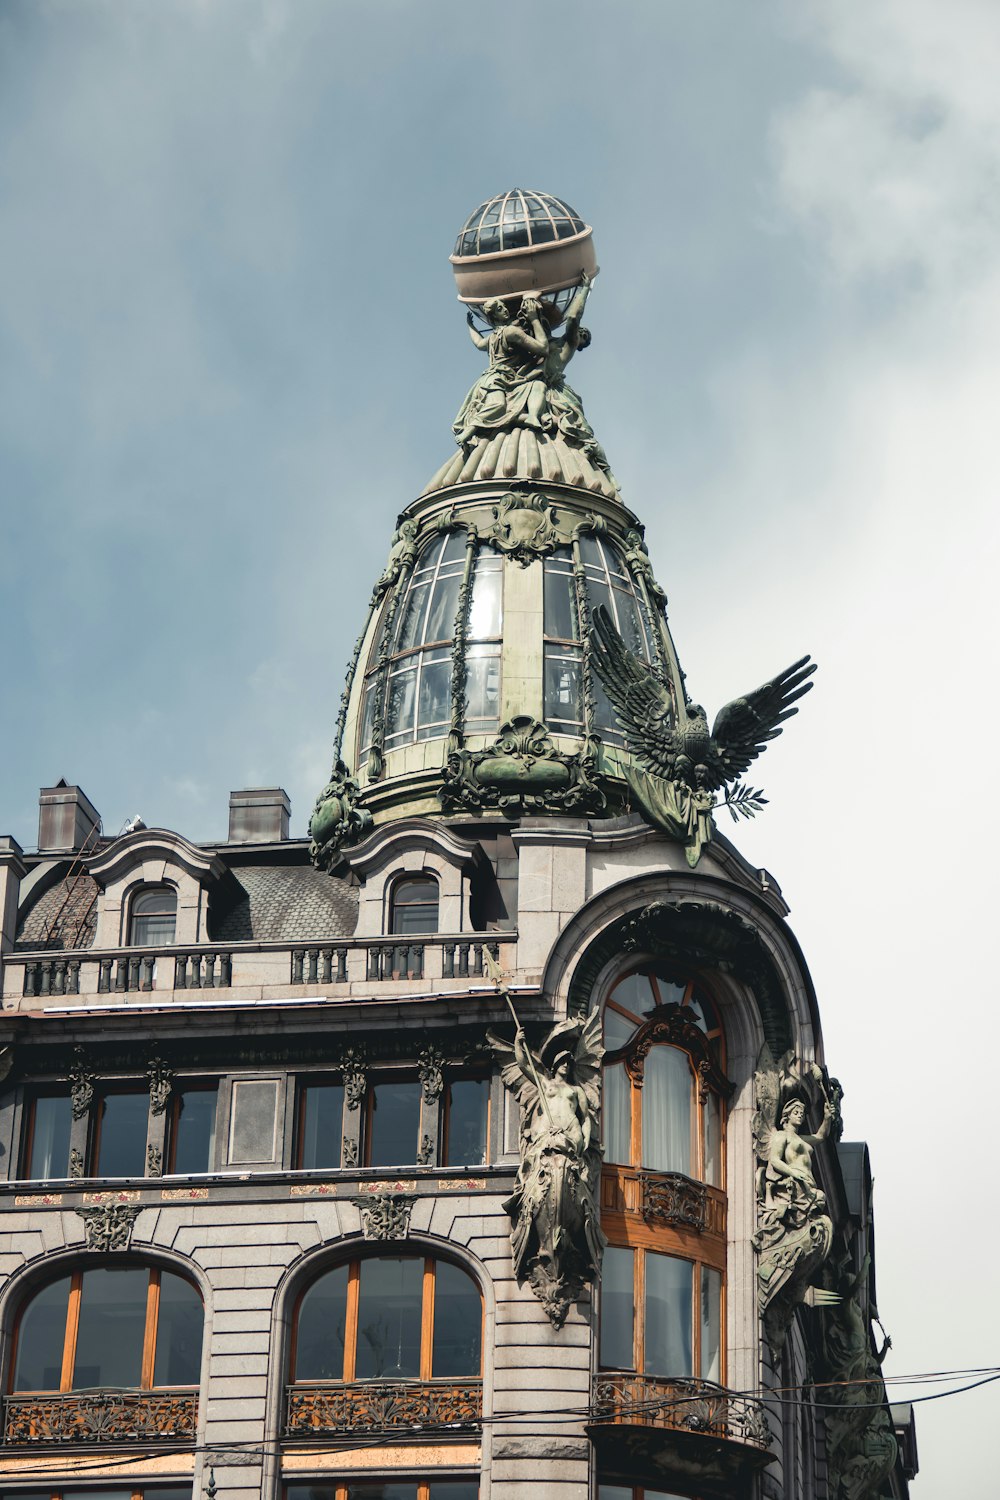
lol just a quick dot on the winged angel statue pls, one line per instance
(556, 1239)
(681, 765)
(794, 1231)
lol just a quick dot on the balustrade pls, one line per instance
(679, 1405)
(382, 1406)
(101, 1417)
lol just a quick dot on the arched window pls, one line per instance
(390, 1318)
(153, 917)
(413, 905)
(417, 702)
(663, 1080)
(130, 1326)
(606, 581)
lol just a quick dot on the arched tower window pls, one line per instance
(413, 905)
(153, 917)
(389, 1318)
(417, 683)
(132, 1327)
(607, 581)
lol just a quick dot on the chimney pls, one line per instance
(258, 815)
(66, 817)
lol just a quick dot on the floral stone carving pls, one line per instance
(337, 819)
(430, 1069)
(385, 1216)
(109, 1226)
(794, 1231)
(81, 1085)
(556, 1239)
(522, 771)
(160, 1085)
(526, 526)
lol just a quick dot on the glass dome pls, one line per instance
(516, 221)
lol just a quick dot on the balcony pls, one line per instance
(422, 1408)
(663, 1199)
(259, 967)
(654, 1429)
(100, 1417)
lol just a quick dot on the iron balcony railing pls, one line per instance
(104, 1417)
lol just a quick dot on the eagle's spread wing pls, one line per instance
(641, 701)
(743, 728)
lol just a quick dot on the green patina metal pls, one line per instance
(695, 935)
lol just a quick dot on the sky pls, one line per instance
(230, 354)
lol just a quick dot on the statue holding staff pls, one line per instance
(556, 1238)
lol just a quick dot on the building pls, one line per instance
(291, 1207)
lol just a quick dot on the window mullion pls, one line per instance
(640, 1310)
(149, 1339)
(72, 1327)
(427, 1323)
(351, 1320)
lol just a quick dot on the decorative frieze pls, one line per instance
(109, 1226)
(385, 1216)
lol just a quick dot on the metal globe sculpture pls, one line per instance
(522, 243)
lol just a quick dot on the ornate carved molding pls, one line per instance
(381, 1405)
(81, 1084)
(337, 819)
(161, 1084)
(522, 771)
(109, 1226)
(76, 1163)
(101, 1417)
(670, 1198)
(349, 1151)
(354, 1071)
(430, 1066)
(385, 1216)
(526, 526)
(154, 1161)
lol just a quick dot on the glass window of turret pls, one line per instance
(664, 1084)
(454, 594)
(607, 582)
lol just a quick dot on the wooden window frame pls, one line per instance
(28, 1132)
(639, 1253)
(72, 1329)
(427, 1298)
(444, 1136)
(146, 889)
(194, 1086)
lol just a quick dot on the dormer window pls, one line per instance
(153, 919)
(413, 906)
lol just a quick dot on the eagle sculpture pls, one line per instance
(678, 763)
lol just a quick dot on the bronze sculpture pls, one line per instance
(556, 1239)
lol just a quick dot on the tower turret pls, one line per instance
(516, 657)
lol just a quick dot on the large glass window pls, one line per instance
(127, 1326)
(466, 1122)
(391, 1318)
(660, 1314)
(45, 1140)
(119, 1142)
(607, 581)
(662, 1106)
(393, 1121)
(191, 1130)
(417, 702)
(115, 1492)
(320, 1125)
(153, 919)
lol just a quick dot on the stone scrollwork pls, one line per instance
(354, 1071)
(527, 525)
(337, 819)
(108, 1226)
(430, 1068)
(385, 1216)
(794, 1231)
(556, 1239)
(160, 1085)
(522, 771)
(81, 1084)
